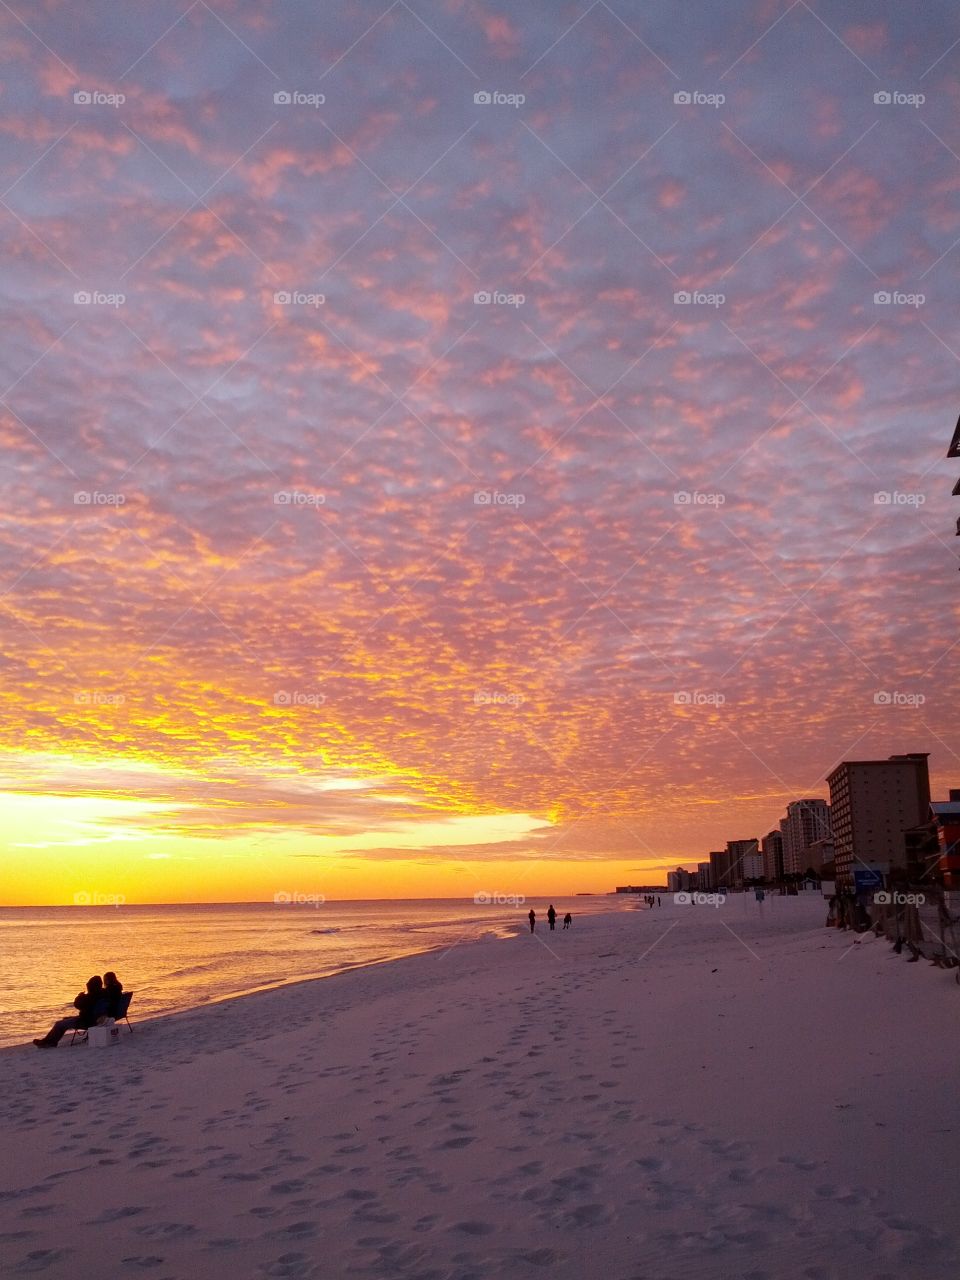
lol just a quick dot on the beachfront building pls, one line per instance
(679, 881)
(705, 877)
(806, 822)
(872, 804)
(738, 851)
(819, 854)
(771, 851)
(751, 864)
(719, 869)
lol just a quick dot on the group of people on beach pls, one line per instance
(551, 918)
(101, 999)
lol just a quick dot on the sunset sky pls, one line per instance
(386, 591)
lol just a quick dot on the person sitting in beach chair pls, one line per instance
(113, 994)
(91, 1005)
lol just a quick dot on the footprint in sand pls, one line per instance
(166, 1230)
(117, 1215)
(40, 1259)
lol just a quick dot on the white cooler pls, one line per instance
(100, 1037)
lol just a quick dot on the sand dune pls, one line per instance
(669, 1095)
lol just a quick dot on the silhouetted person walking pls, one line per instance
(551, 916)
(532, 917)
(567, 920)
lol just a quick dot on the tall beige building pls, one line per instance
(872, 803)
(806, 821)
(771, 849)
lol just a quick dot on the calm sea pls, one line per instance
(178, 957)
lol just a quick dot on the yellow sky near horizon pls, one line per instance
(97, 849)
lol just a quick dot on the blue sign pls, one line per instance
(865, 879)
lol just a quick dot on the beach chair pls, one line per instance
(80, 1033)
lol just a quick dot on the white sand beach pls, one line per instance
(681, 1094)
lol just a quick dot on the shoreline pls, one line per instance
(218, 1002)
(492, 934)
(630, 1102)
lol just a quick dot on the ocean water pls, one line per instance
(179, 957)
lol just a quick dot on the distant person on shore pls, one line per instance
(112, 992)
(91, 1005)
(658, 900)
(552, 916)
(567, 920)
(532, 917)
